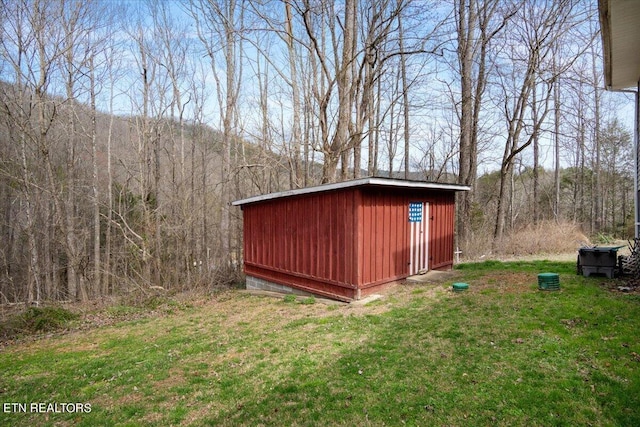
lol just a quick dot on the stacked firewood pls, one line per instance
(631, 263)
(630, 267)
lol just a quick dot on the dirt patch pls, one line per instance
(434, 276)
(505, 282)
(623, 285)
(175, 379)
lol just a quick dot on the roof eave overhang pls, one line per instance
(369, 181)
(605, 31)
(620, 34)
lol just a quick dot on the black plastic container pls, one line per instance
(598, 260)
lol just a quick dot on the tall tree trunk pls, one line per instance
(466, 32)
(97, 266)
(296, 134)
(597, 194)
(475, 30)
(344, 80)
(106, 283)
(556, 144)
(145, 161)
(405, 99)
(228, 121)
(504, 201)
(536, 158)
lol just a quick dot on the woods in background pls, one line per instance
(127, 128)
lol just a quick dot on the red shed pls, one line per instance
(349, 239)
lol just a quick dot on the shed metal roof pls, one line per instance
(369, 181)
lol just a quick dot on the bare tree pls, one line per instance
(556, 138)
(18, 45)
(535, 30)
(220, 25)
(337, 73)
(149, 105)
(598, 205)
(477, 24)
(296, 179)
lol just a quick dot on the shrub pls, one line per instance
(36, 319)
(546, 237)
(289, 298)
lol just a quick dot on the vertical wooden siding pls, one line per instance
(340, 241)
(383, 238)
(310, 236)
(441, 230)
(383, 250)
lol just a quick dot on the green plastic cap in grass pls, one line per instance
(459, 287)
(548, 281)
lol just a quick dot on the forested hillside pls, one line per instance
(127, 128)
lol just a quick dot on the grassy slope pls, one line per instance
(502, 353)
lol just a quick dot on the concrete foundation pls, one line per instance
(255, 283)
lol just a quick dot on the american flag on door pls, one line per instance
(418, 260)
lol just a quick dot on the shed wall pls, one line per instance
(441, 230)
(383, 237)
(383, 233)
(307, 241)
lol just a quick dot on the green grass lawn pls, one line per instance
(501, 353)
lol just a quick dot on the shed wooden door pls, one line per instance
(419, 237)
